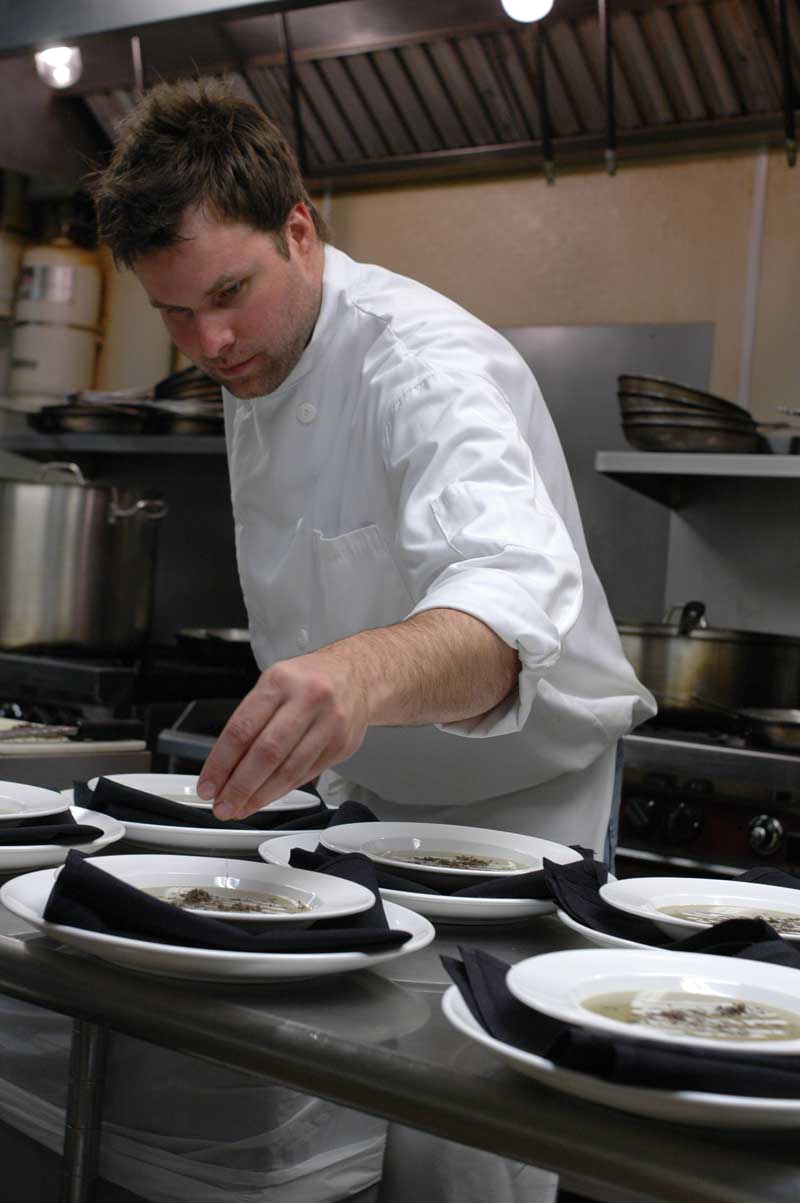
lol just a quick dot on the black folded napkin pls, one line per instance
(136, 806)
(60, 828)
(86, 896)
(480, 978)
(576, 890)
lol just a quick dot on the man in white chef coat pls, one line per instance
(433, 637)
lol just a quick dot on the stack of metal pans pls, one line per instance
(660, 415)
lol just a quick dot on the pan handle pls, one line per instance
(692, 616)
(153, 508)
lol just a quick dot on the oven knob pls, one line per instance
(766, 833)
(684, 824)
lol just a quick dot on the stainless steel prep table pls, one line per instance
(377, 1041)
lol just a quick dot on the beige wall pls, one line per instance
(663, 242)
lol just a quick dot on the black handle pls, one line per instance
(691, 617)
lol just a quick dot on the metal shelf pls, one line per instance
(115, 444)
(659, 474)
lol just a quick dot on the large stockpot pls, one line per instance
(690, 667)
(78, 562)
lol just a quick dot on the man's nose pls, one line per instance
(214, 334)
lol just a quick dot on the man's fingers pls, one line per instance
(298, 768)
(263, 759)
(243, 727)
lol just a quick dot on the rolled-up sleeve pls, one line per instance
(477, 531)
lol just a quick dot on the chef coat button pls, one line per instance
(302, 638)
(306, 412)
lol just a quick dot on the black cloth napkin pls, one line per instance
(60, 828)
(86, 896)
(418, 881)
(136, 806)
(576, 890)
(480, 978)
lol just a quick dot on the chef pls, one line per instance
(432, 635)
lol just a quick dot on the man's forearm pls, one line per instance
(439, 666)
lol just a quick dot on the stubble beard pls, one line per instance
(274, 366)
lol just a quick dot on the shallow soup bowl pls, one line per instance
(681, 905)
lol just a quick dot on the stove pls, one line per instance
(113, 709)
(706, 803)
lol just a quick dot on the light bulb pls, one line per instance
(59, 66)
(527, 10)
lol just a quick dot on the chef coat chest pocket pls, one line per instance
(360, 586)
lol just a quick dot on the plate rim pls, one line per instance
(486, 832)
(740, 972)
(495, 909)
(116, 832)
(684, 926)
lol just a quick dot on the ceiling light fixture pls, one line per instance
(59, 66)
(527, 10)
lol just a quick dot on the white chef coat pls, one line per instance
(409, 462)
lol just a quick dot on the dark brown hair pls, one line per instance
(195, 144)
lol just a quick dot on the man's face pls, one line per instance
(232, 303)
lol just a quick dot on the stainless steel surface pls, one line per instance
(78, 563)
(734, 669)
(84, 1112)
(377, 1041)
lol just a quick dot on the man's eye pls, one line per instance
(231, 291)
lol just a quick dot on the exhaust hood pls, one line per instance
(379, 92)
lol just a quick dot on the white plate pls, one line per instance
(327, 897)
(601, 938)
(644, 896)
(207, 840)
(27, 897)
(179, 787)
(436, 906)
(678, 1106)
(560, 983)
(32, 856)
(18, 802)
(375, 840)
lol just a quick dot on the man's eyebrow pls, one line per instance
(220, 283)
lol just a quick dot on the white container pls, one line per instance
(56, 335)
(48, 361)
(59, 283)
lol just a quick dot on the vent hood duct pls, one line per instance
(388, 92)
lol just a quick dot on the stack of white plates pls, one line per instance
(19, 802)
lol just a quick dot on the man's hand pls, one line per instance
(306, 714)
(300, 717)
